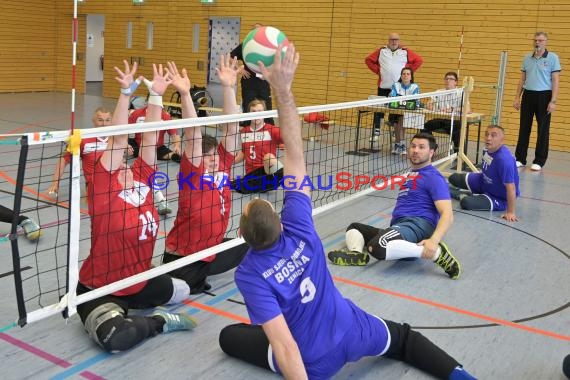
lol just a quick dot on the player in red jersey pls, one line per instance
(90, 151)
(259, 142)
(204, 202)
(163, 152)
(123, 233)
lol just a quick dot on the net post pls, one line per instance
(22, 314)
(461, 154)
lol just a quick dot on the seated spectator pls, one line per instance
(404, 86)
(497, 186)
(446, 103)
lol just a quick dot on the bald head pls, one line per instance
(393, 41)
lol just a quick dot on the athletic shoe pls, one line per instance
(448, 262)
(163, 207)
(519, 164)
(396, 149)
(31, 229)
(535, 167)
(345, 257)
(455, 192)
(402, 150)
(174, 322)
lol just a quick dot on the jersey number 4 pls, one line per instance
(149, 225)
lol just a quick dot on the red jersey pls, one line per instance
(203, 208)
(256, 144)
(123, 228)
(138, 116)
(90, 151)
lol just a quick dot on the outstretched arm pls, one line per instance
(227, 74)
(280, 77)
(112, 158)
(160, 81)
(192, 135)
(445, 220)
(510, 215)
(285, 348)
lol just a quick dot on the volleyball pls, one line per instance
(260, 45)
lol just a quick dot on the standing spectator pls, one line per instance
(387, 62)
(447, 104)
(540, 76)
(253, 86)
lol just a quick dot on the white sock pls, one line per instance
(354, 240)
(437, 253)
(158, 196)
(401, 249)
(274, 168)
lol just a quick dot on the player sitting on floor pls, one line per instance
(420, 219)
(259, 142)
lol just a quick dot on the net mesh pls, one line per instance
(344, 160)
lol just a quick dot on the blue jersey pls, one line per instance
(291, 278)
(539, 71)
(418, 195)
(498, 168)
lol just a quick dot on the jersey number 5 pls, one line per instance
(252, 154)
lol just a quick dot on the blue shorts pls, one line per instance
(413, 229)
(475, 186)
(368, 336)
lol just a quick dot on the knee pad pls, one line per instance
(180, 291)
(377, 246)
(100, 315)
(354, 240)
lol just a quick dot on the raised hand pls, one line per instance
(228, 70)
(126, 78)
(280, 74)
(180, 81)
(160, 80)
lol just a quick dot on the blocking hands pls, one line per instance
(280, 74)
(228, 70)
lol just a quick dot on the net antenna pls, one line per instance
(460, 51)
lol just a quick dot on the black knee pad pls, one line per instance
(458, 180)
(476, 203)
(377, 245)
(120, 334)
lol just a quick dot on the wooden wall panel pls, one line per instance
(333, 37)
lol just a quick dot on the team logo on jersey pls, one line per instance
(136, 196)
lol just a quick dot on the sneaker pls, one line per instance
(163, 207)
(456, 193)
(448, 262)
(402, 150)
(535, 167)
(32, 230)
(175, 322)
(396, 149)
(345, 257)
(519, 164)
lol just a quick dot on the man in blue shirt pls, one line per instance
(420, 219)
(496, 188)
(538, 85)
(302, 327)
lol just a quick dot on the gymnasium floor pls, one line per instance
(506, 317)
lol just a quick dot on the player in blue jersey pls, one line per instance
(420, 219)
(496, 188)
(302, 327)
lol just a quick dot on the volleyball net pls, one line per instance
(345, 161)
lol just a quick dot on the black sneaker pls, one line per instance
(448, 262)
(345, 257)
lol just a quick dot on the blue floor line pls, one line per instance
(81, 366)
